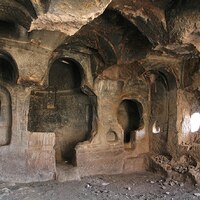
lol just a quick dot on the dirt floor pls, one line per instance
(133, 186)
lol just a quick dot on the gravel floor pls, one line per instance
(118, 187)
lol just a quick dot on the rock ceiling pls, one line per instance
(161, 21)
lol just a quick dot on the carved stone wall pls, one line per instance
(96, 87)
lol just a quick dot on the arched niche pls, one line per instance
(163, 109)
(8, 76)
(5, 116)
(65, 74)
(130, 118)
(62, 108)
(8, 68)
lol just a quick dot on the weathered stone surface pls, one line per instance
(69, 16)
(13, 11)
(35, 163)
(107, 160)
(130, 93)
(147, 16)
(183, 22)
(185, 167)
(41, 153)
(136, 164)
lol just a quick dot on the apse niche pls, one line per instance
(8, 76)
(130, 118)
(62, 108)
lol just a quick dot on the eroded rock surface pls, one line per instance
(99, 87)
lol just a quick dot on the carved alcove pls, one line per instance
(163, 109)
(8, 76)
(5, 116)
(62, 108)
(130, 117)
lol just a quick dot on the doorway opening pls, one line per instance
(130, 118)
(8, 75)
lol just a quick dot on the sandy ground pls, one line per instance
(118, 187)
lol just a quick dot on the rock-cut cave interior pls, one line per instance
(98, 87)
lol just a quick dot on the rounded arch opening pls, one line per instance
(8, 68)
(65, 74)
(163, 89)
(130, 118)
